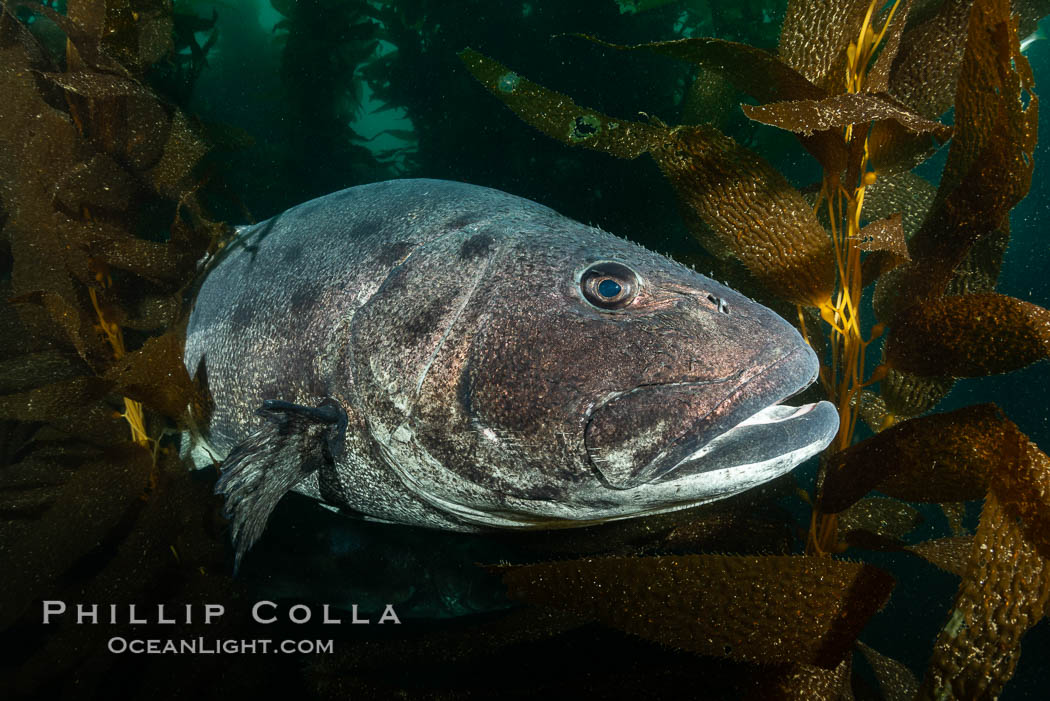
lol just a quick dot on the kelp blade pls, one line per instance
(969, 336)
(743, 204)
(767, 609)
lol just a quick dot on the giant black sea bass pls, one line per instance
(446, 355)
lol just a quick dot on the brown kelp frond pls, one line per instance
(1023, 492)
(905, 193)
(752, 211)
(91, 502)
(136, 376)
(896, 682)
(969, 335)
(817, 34)
(116, 146)
(950, 554)
(894, 149)
(908, 395)
(838, 111)
(769, 610)
(1003, 593)
(885, 235)
(888, 518)
(906, 463)
(800, 681)
(893, 19)
(736, 197)
(558, 116)
(926, 69)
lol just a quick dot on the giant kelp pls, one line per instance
(862, 85)
(102, 232)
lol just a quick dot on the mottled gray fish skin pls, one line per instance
(428, 356)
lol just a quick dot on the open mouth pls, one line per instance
(667, 433)
(768, 443)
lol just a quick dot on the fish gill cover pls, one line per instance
(110, 192)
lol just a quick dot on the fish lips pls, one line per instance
(658, 433)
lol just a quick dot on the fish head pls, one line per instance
(581, 378)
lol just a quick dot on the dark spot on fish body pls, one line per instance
(463, 220)
(477, 246)
(243, 314)
(291, 255)
(393, 254)
(427, 321)
(304, 298)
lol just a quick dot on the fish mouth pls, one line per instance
(761, 447)
(725, 433)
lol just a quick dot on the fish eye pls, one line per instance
(609, 285)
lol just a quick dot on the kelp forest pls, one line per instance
(852, 164)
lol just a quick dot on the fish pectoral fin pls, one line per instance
(294, 442)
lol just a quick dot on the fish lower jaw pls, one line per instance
(769, 442)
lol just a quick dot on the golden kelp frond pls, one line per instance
(944, 457)
(994, 103)
(969, 336)
(816, 34)
(907, 395)
(1003, 593)
(896, 682)
(872, 409)
(558, 116)
(838, 111)
(135, 376)
(979, 270)
(926, 68)
(882, 516)
(771, 610)
(742, 202)
(885, 235)
(950, 554)
(1023, 491)
(893, 149)
(906, 193)
(752, 210)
